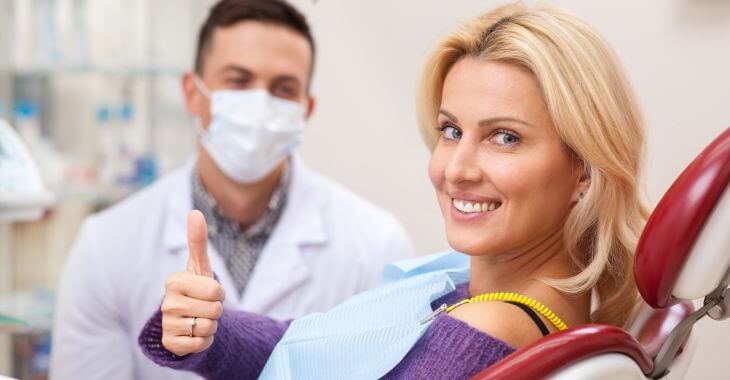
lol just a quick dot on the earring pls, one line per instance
(581, 195)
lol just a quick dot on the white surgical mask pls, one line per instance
(250, 131)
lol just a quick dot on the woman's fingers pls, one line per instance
(178, 305)
(183, 345)
(195, 286)
(180, 326)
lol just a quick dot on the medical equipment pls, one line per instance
(683, 255)
(22, 196)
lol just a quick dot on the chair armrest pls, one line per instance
(557, 350)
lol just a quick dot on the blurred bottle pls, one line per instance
(27, 120)
(106, 152)
(128, 153)
(48, 53)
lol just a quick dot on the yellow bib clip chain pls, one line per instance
(505, 297)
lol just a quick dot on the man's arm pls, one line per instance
(89, 337)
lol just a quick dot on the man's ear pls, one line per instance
(193, 98)
(311, 103)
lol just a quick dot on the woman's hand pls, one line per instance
(193, 299)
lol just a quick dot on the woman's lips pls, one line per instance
(464, 210)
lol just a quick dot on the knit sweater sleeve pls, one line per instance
(450, 349)
(243, 343)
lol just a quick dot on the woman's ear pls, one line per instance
(584, 183)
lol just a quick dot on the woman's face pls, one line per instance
(504, 181)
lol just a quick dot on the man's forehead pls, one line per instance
(260, 46)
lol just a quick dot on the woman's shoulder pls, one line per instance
(500, 320)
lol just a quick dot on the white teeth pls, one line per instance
(469, 207)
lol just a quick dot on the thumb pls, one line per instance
(198, 262)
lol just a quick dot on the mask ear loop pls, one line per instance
(201, 86)
(199, 130)
(203, 89)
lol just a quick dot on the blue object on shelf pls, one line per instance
(25, 109)
(103, 114)
(126, 112)
(145, 170)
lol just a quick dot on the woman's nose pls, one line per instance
(463, 165)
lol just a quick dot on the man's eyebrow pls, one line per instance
(236, 69)
(287, 78)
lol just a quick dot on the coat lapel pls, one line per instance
(283, 266)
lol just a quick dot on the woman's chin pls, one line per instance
(472, 246)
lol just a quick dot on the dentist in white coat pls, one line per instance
(284, 241)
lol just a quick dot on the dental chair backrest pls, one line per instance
(684, 251)
(683, 255)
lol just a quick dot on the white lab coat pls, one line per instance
(328, 245)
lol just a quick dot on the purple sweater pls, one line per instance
(448, 349)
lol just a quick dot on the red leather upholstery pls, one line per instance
(677, 221)
(557, 350)
(661, 322)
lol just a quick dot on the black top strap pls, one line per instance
(533, 315)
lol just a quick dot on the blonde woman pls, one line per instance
(536, 145)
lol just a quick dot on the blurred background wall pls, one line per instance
(93, 85)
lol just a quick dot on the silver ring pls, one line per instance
(192, 325)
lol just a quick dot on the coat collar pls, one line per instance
(302, 218)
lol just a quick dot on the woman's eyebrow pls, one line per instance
(492, 120)
(487, 122)
(449, 115)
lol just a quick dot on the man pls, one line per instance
(284, 241)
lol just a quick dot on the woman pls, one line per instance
(536, 145)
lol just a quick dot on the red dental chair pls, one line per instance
(683, 255)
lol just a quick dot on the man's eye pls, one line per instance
(238, 82)
(284, 92)
(505, 138)
(450, 132)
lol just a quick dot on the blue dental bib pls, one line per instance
(369, 334)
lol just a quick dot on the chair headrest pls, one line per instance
(695, 208)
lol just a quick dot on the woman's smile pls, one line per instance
(467, 207)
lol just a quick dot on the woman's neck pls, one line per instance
(520, 270)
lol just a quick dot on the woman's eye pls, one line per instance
(505, 138)
(450, 133)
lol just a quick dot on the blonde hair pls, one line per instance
(595, 114)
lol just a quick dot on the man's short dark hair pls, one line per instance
(230, 12)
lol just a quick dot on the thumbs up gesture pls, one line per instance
(193, 299)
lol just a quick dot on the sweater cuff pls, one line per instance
(150, 341)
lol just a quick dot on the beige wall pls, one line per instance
(677, 54)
